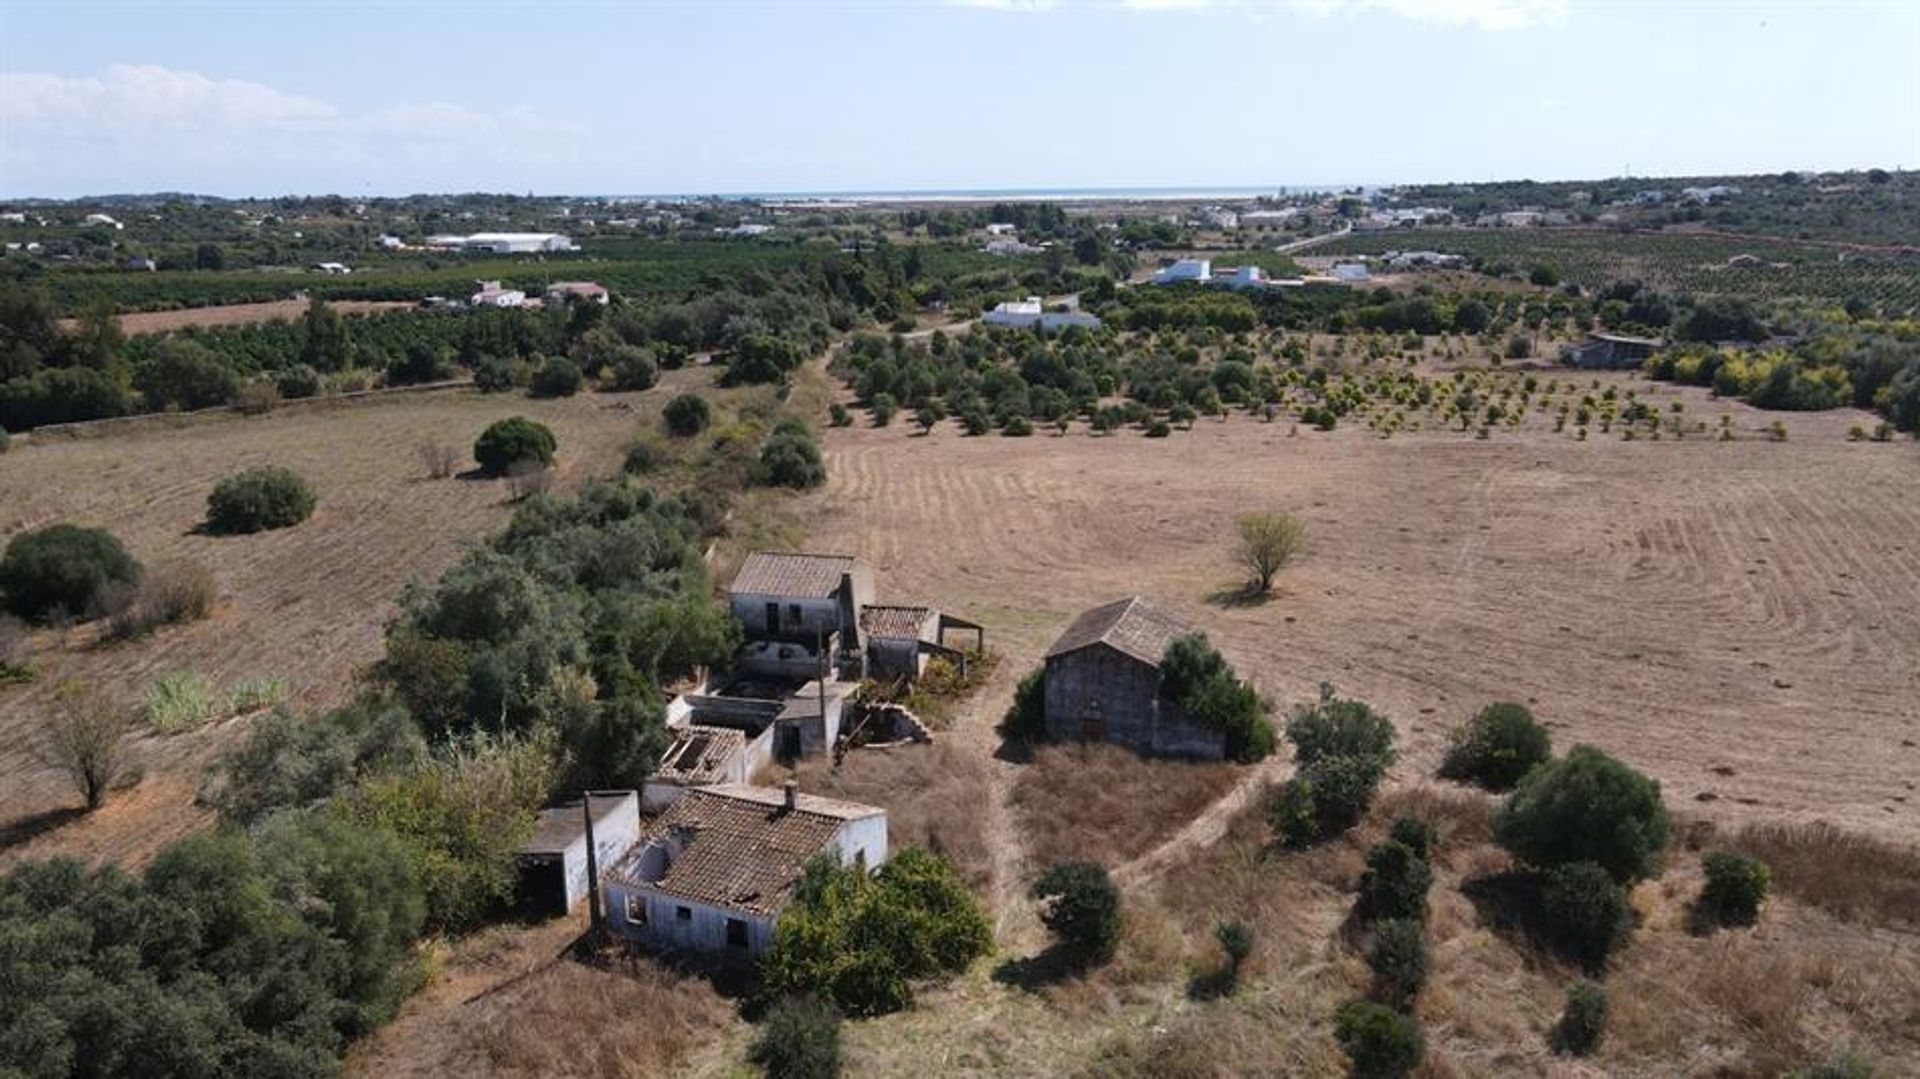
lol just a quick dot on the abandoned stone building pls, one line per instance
(1102, 683)
(714, 871)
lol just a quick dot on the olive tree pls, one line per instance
(1268, 541)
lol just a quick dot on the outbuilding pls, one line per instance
(1102, 683)
(553, 861)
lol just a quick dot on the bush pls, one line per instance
(259, 499)
(1416, 834)
(1081, 905)
(634, 368)
(860, 940)
(1291, 813)
(687, 415)
(298, 381)
(883, 406)
(557, 377)
(1027, 717)
(800, 1039)
(791, 458)
(492, 375)
(1335, 727)
(1585, 807)
(1736, 886)
(6, 440)
(1017, 427)
(290, 762)
(513, 441)
(1844, 1064)
(1583, 1022)
(419, 363)
(1397, 956)
(1158, 429)
(63, 570)
(1497, 747)
(1395, 884)
(85, 739)
(439, 459)
(169, 593)
(645, 454)
(1236, 943)
(838, 416)
(1584, 912)
(1268, 541)
(1381, 1043)
(1197, 679)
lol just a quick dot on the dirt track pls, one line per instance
(1743, 619)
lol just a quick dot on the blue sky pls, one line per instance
(267, 97)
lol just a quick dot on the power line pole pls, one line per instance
(595, 928)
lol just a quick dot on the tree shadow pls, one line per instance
(26, 829)
(1036, 972)
(1214, 984)
(1512, 905)
(1238, 596)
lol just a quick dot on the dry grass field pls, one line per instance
(237, 314)
(1741, 619)
(307, 604)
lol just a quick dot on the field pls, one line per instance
(307, 604)
(1694, 262)
(238, 314)
(1742, 619)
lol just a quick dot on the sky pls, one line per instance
(271, 97)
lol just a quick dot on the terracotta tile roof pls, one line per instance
(1132, 626)
(740, 846)
(801, 576)
(700, 754)
(899, 622)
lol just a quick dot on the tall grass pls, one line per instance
(180, 702)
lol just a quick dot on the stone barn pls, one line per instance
(1103, 684)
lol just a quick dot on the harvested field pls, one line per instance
(1741, 619)
(1107, 804)
(307, 603)
(135, 323)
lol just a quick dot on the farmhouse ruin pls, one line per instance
(1103, 683)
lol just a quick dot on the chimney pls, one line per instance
(792, 791)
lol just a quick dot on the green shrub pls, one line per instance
(1736, 886)
(558, 377)
(6, 440)
(298, 381)
(791, 457)
(687, 415)
(1395, 884)
(1585, 807)
(64, 570)
(1336, 727)
(799, 1039)
(1197, 679)
(1497, 747)
(1583, 1022)
(1584, 912)
(492, 375)
(1416, 834)
(1842, 1064)
(1397, 956)
(1381, 1043)
(645, 454)
(1017, 427)
(860, 940)
(1236, 943)
(259, 499)
(180, 701)
(1158, 429)
(633, 368)
(838, 416)
(1026, 718)
(513, 441)
(256, 694)
(1081, 905)
(883, 406)
(1291, 813)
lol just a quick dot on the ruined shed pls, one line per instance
(1103, 683)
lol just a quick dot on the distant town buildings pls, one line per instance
(491, 294)
(505, 243)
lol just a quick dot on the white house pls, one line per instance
(1007, 246)
(102, 221)
(333, 268)
(1350, 271)
(1000, 228)
(553, 863)
(1239, 277)
(490, 294)
(390, 242)
(745, 231)
(793, 604)
(1200, 270)
(1032, 312)
(715, 870)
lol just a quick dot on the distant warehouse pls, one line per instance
(506, 243)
